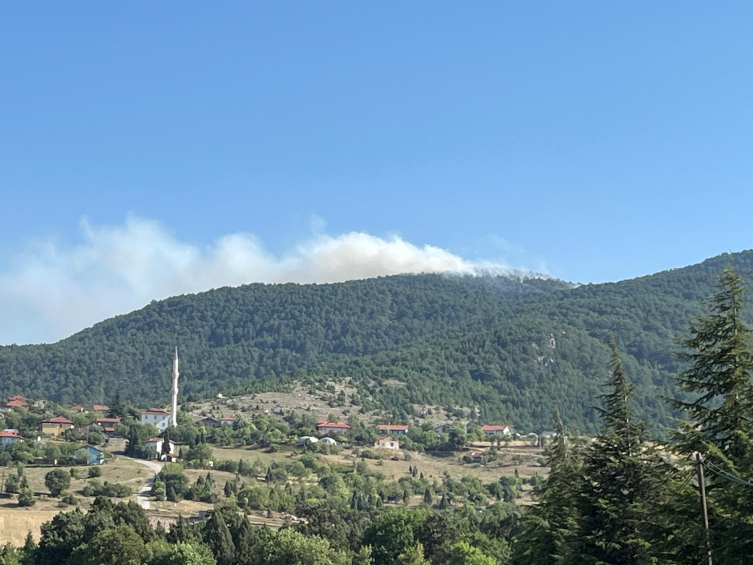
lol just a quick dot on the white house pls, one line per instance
(157, 417)
(386, 442)
(495, 430)
(156, 444)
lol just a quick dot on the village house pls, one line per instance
(8, 437)
(473, 457)
(107, 425)
(56, 426)
(15, 403)
(495, 430)
(386, 442)
(156, 417)
(325, 427)
(210, 422)
(393, 429)
(156, 443)
(78, 408)
(228, 420)
(100, 408)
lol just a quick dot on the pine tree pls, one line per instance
(720, 413)
(218, 538)
(622, 483)
(548, 528)
(427, 496)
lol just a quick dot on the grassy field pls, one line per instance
(15, 522)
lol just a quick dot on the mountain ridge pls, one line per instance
(238, 338)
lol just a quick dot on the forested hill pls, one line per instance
(511, 347)
(231, 336)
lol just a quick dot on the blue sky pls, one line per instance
(592, 141)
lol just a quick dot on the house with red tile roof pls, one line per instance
(7, 437)
(326, 427)
(495, 430)
(228, 420)
(100, 408)
(56, 426)
(107, 425)
(80, 409)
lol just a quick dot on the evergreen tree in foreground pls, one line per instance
(622, 484)
(720, 417)
(548, 528)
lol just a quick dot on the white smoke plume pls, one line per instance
(55, 290)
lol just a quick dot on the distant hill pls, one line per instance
(513, 348)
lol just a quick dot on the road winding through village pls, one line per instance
(142, 497)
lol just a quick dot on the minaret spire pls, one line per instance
(174, 415)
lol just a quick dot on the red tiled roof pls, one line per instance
(78, 408)
(230, 418)
(325, 424)
(108, 420)
(17, 402)
(10, 434)
(393, 427)
(18, 397)
(58, 420)
(155, 411)
(100, 407)
(493, 428)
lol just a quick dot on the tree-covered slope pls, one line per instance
(473, 341)
(232, 336)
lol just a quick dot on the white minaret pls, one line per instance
(174, 416)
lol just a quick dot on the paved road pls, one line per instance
(142, 497)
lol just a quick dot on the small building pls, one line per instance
(8, 437)
(228, 420)
(56, 426)
(78, 408)
(328, 441)
(40, 403)
(495, 430)
(107, 425)
(89, 455)
(393, 429)
(210, 422)
(332, 427)
(473, 457)
(156, 443)
(386, 442)
(100, 408)
(156, 417)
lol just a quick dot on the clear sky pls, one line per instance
(154, 148)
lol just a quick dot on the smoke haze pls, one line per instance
(54, 290)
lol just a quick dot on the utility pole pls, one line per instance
(704, 507)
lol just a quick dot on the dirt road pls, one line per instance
(142, 497)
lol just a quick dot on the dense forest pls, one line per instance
(506, 346)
